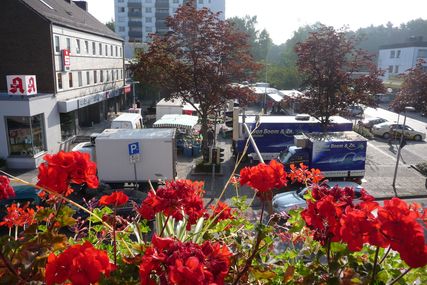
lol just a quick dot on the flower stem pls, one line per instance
(385, 255)
(375, 265)
(164, 225)
(400, 276)
(114, 236)
(10, 267)
(255, 250)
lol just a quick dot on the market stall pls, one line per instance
(188, 138)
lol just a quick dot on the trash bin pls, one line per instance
(188, 151)
(196, 150)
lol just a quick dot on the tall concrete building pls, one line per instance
(136, 19)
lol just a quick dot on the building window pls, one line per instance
(121, 19)
(120, 51)
(68, 125)
(95, 77)
(117, 52)
(396, 69)
(57, 47)
(86, 47)
(69, 44)
(59, 79)
(117, 74)
(390, 69)
(398, 54)
(121, 73)
(148, 20)
(121, 29)
(100, 49)
(101, 73)
(392, 53)
(108, 75)
(148, 1)
(80, 78)
(148, 29)
(148, 10)
(77, 46)
(200, 1)
(422, 53)
(70, 80)
(87, 78)
(121, 9)
(93, 48)
(106, 50)
(111, 53)
(26, 135)
(112, 75)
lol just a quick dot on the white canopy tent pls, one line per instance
(176, 121)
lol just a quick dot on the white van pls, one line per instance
(127, 121)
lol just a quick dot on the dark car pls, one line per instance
(353, 111)
(23, 194)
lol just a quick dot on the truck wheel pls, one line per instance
(386, 135)
(417, 138)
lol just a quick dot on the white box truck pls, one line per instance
(133, 155)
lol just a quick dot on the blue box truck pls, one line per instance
(336, 154)
(273, 134)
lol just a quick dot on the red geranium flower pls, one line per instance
(175, 199)
(399, 224)
(175, 262)
(264, 178)
(6, 191)
(221, 211)
(80, 264)
(115, 199)
(64, 168)
(18, 216)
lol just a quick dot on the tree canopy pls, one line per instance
(331, 65)
(414, 90)
(198, 60)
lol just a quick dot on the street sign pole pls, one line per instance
(134, 157)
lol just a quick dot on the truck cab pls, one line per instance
(128, 121)
(294, 155)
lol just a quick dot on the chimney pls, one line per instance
(81, 4)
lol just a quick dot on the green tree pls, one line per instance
(329, 63)
(197, 62)
(111, 25)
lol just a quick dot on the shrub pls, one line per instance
(365, 132)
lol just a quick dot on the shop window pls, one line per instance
(26, 135)
(68, 125)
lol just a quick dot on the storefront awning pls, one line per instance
(176, 121)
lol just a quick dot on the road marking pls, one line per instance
(383, 152)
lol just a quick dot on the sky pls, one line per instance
(282, 17)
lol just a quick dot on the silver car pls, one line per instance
(387, 130)
(284, 202)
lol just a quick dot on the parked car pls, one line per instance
(387, 130)
(353, 111)
(370, 122)
(283, 202)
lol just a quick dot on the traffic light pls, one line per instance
(219, 155)
(207, 154)
(213, 155)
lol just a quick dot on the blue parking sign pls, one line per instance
(133, 148)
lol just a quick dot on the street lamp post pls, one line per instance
(400, 145)
(133, 89)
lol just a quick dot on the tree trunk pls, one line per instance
(204, 131)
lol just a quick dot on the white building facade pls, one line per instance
(398, 58)
(135, 20)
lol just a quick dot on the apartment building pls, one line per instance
(396, 59)
(136, 19)
(61, 70)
